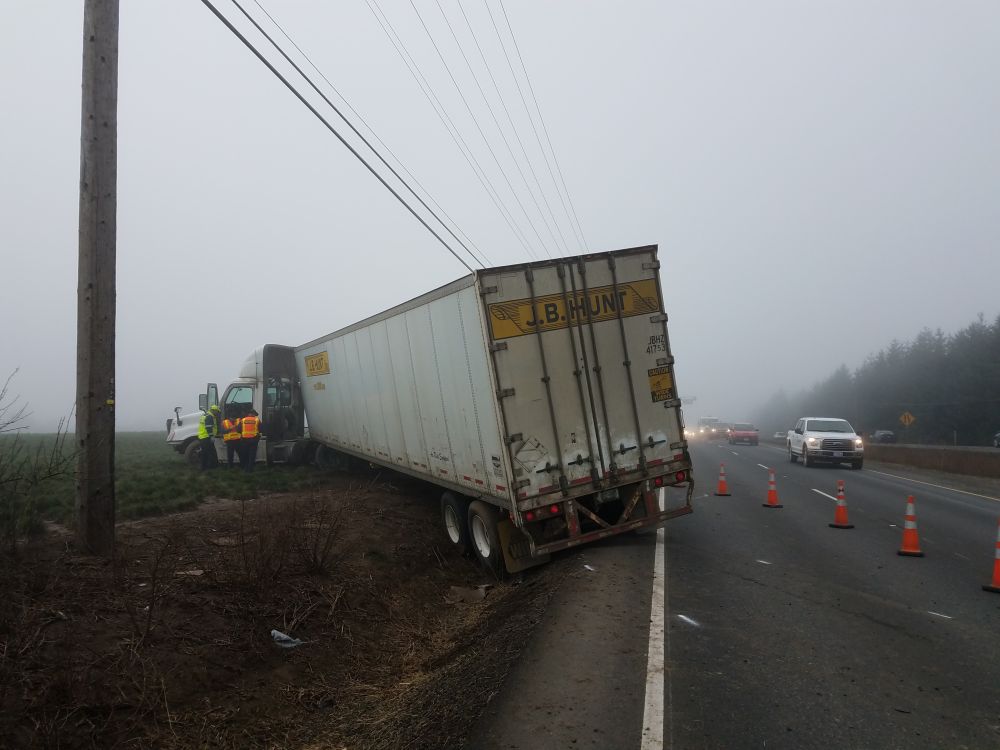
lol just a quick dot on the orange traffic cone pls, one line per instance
(723, 488)
(840, 516)
(772, 491)
(995, 585)
(911, 540)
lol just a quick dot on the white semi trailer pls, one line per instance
(539, 397)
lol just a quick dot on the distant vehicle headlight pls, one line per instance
(713, 429)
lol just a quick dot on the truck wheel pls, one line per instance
(192, 453)
(791, 456)
(805, 457)
(455, 517)
(857, 464)
(485, 538)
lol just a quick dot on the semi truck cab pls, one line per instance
(267, 382)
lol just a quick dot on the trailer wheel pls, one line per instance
(192, 453)
(485, 538)
(455, 518)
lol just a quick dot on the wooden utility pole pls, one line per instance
(95, 344)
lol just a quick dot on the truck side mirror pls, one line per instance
(177, 411)
(203, 401)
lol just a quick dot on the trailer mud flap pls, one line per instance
(516, 548)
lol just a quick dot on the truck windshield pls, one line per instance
(743, 427)
(829, 425)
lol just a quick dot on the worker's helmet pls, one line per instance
(214, 407)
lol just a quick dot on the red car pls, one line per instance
(744, 432)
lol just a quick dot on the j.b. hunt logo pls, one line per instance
(551, 312)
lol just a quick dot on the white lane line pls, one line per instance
(820, 492)
(734, 453)
(652, 715)
(938, 614)
(763, 562)
(956, 554)
(763, 467)
(939, 486)
(689, 620)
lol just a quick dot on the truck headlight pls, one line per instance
(858, 442)
(812, 440)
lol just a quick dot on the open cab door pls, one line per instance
(209, 398)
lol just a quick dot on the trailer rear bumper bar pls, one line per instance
(654, 521)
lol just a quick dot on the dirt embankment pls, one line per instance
(171, 646)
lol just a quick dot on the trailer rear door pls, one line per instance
(584, 371)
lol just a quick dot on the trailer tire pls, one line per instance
(192, 453)
(485, 539)
(455, 520)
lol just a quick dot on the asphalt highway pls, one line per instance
(776, 631)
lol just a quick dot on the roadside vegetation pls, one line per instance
(949, 383)
(151, 479)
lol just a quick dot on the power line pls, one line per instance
(249, 45)
(370, 129)
(541, 119)
(442, 113)
(531, 120)
(349, 123)
(475, 121)
(513, 127)
(496, 122)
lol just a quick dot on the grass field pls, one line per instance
(152, 479)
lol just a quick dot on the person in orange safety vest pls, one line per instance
(231, 433)
(249, 437)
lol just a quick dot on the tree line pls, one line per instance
(950, 384)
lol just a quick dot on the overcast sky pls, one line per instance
(821, 177)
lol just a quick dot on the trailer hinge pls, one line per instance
(660, 318)
(654, 266)
(505, 392)
(664, 361)
(517, 437)
(500, 346)
(549, 467)
(522, 483)
(623, 450)
(580, 460)
(653, 443)
(487, 290)
(672, 403)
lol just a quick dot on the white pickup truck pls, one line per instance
(828, 439)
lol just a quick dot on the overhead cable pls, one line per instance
(479, 127)
(424, 85)
(528, 160)
(375, 135)
(348, 122)
(545, 129)
(249, 45)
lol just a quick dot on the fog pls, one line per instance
(821, 177)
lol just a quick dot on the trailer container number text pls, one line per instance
(517, 318)
(317, 364)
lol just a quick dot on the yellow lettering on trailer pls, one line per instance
(317, 364)
(661, 384)
(517, 318)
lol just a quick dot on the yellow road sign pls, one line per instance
(907, 419)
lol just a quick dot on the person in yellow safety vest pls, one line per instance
(208, 428)
(231, 429)
(249, 437)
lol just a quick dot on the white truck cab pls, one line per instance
(825, 439)
(267, 382)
